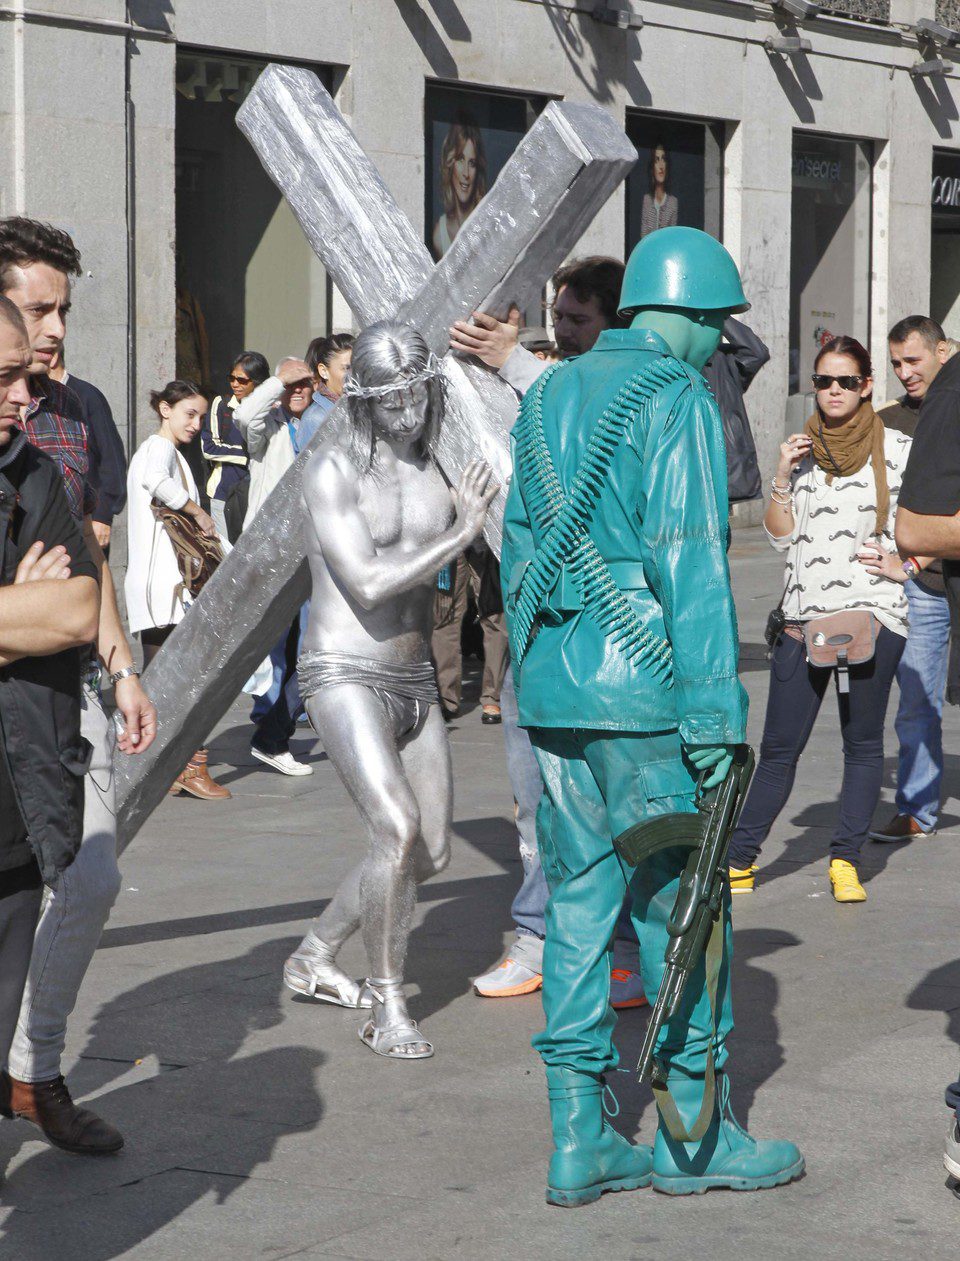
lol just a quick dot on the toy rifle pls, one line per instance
(696, 911)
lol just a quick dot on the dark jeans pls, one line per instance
(796, 693)
(279, 723)
(21, 891)
(953, 1097)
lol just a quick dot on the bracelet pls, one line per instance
(781, 495)
(126, 673)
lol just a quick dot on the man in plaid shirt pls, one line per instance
(36, 263)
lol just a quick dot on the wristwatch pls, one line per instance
(126, 673)
(910, 568)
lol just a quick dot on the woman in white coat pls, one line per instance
(153, 587)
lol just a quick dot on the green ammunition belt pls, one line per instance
(563, 520)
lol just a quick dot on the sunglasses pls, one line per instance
(822, 382)
(235, 380)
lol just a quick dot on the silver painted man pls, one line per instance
(381, 522)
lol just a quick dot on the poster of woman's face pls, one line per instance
(470, 136)
(677, 178)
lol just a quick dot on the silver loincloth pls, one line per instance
(405, 691)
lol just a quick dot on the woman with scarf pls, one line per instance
(832, 507)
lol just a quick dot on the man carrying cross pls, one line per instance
(381, 522)
(624, 641)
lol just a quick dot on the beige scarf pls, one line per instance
(844, 450)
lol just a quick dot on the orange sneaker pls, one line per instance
(626, 990)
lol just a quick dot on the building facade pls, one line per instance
(824, 150)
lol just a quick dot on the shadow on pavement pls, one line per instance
(756, 1054)
(201, 1127)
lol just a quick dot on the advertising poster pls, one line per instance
(678, 176)
(829, 249)
(470, 135)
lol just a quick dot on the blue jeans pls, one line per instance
(276, 718)
(530, 904)
(283, 656)
(796, 693)
(922, 675)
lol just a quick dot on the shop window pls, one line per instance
(829, 248)
(246, 277)
(471, 133)
(678, 178)
(945, 240)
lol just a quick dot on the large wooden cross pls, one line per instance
(560, 175)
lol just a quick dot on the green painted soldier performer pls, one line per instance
(624, 642)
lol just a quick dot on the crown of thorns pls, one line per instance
(429, 372)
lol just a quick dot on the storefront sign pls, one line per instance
(816, 168)
(945, 188)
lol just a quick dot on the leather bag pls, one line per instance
(837, 641)
(197, 554)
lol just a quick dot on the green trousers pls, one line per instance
(596, 785)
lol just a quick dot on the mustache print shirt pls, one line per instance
(831, 524)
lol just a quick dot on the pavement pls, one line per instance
(258, 1126)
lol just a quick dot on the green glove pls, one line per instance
(719, 757)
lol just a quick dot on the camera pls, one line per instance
(775, 624)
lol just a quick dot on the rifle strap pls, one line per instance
(713, 958)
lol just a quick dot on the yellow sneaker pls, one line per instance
(742, 880)
(845, 881)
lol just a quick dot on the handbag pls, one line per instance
(197, 554)
(837, 641)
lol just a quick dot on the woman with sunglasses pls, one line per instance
(224, 448)
(832, 506)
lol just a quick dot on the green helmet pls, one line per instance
(681, 267)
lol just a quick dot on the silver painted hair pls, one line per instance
(390, 353)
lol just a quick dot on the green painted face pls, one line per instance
(705, 338)
(693, 336)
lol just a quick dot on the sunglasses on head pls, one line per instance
(237, 380)
(823, 382)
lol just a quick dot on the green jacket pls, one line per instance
(660, 525)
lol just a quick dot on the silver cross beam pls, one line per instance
(560, 175)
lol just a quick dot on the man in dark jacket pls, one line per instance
(49, 605)
(108, 463)
(738, 359)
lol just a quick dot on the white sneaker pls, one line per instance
(286, 763)
(508, 979)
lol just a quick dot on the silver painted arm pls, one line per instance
(370, 575)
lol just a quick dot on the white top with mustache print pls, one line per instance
(831, 524)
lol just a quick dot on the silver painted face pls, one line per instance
(402, 414)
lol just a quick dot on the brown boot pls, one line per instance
(195, 779)
(47, 1104)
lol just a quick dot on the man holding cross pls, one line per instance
(381, 523)
(624, 641)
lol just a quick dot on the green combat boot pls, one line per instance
(726, 1155)
(590, 1157)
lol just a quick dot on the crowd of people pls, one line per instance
(862, 504)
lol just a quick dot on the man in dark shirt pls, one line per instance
(918, 352)
(49, 607)
(108, 463)
(36, 263)
(928, 523)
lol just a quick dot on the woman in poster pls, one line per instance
(463, 181)
(659, 207)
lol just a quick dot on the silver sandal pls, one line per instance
(310, 970)
(388, 1039)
